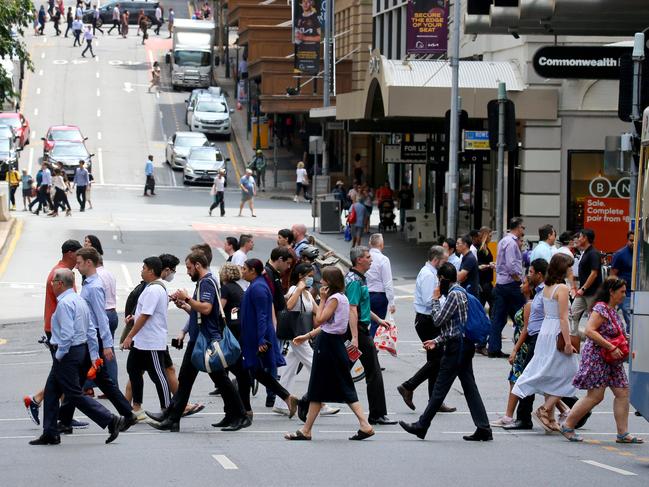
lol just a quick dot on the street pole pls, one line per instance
(636, 116)
(326, 93)
(453, 146)
(500, 171)
(275, 150)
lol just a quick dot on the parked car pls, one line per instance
(70, 153)
(8, 156)
(202, 165)
(211, 116)
(57, 133)
(212, 91)
(7, 132)
(20, 125)
(106, 11)
(179, 145)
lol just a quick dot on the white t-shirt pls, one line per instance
(239, 258)
(153, 302)
(307, 300)
(301, 175)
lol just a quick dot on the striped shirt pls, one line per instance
(451, 317)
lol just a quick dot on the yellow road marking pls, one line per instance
(626, 454)
(12, 247)
(233, 159)
(3, 341)
(610, 448)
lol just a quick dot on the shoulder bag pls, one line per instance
(294, 323)
(215, 355)
(619, 342)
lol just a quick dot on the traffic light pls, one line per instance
(511, 144)
(625, 96)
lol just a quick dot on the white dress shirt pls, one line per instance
(379, 275)
(110, 286)
(425, 286)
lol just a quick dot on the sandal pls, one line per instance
(196, 408)
(297, 436)
(628, 438)
(361, 435)
(541, 415)
(570, 435)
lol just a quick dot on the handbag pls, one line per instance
(215, 355)
(386, 337)
(575, 340)
(348, 233)
(291, 324)
(620, 342)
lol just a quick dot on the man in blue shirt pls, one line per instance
(248, 191)
(149, 185)
(73, 334)
(43, 197)
(81, 181)
(205, 316)
(621, 267)
(359, 211)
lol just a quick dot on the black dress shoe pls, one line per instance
(413, 429)
(114, 428)
(482, 351)
(64, 429)
(215, 392)
(497, 355)
(224, 422)
(479, 435)
(519, 425)
(129, 421)
(158, 417)
(46, 440)
(446, 409)
(383, 420)
(407, 396)
(167, 425)
(238, 424)
(270, 402)
(302, 409)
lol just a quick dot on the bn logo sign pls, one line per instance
(601, 187)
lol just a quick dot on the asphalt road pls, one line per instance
(124, 126)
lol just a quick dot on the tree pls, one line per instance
(15, 16)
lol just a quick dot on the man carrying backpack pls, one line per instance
(453, 320)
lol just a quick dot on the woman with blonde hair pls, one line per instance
(301, 182)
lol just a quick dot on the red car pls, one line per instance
(58, 133)
(19, 124)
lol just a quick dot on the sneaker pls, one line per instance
(140, 416)
(328, 410)
(282, 411)
(32, 409)
(501, 422)
(295, 199)
(78, 425)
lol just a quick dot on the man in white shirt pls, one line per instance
(246, 244)
(545, 249)
(77, 28)
(87, 36)
(379, 281)
(218, 191)
(147, 340)
(116, 16)
(158, 18)
(109, 284)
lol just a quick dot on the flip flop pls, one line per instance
(297, 436)
(197, 408)
(628, 438)
(570, 435)
(361, 435)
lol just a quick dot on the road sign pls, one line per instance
(476, 140)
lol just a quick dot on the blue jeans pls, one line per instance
(507, 300)
(626, 312)
(379, 306)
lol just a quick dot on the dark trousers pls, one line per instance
(61, 200)
(81, 197)
(42, 198)
(244, 383)
(158, 25)
(526, 404)
(231, 402)
(426, 331)
(373, 376)
(64, 380)
(88, 46)
(152, 362)
(115, 24)
(507, 300)
(379, 306)
(219, 201)
(456, 363)
(149, 185)
(95, 27)
(77, 38)
(68, 29)
(12, 195)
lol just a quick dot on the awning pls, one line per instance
(421, 88)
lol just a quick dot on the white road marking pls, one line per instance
(127, 276)
(119, 252)
(98, 92)
(45, 39)
(98, 135)
(97, 74)
(127, 87)
(99, 112)
(225, 462)
(608, 467)
(35, 112)
(32, 134)
(60, 61)
(31, 160)
(114, 237)
(40, 72)
(38, 91)
(100, 162)
(97, 58)
(43, 55)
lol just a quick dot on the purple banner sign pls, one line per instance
(427, 27)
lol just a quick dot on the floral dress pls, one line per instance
(521, 356)
(594, 372)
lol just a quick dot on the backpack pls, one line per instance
(478, 325)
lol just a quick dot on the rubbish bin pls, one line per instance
(411, 223)
(329, 216)
(426, 228)
(262, 133)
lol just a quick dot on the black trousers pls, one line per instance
(88, 46)
(61, 200)
(77, 38)
(12, 195)
(64, 379)
(115, 24)
(187, 376)
(219, 201)
(430, 370)
(42, 198)
(244, 382)
(456, 363)
(81, 196)
(95, 27)
(373, 375)
(149, 185)
(105, 384)
(68, 29)
(152, 362)
(526, 404)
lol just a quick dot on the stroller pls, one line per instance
(387, 216)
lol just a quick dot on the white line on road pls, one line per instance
(100, 162)
(151, 57)
(40, 72)
(127, 276)
(98, 92)
(31, 160)
(38, 91)
(43, 55)
(114, 237)
(97, 57)
(225, 462)
(97, 73)
(119, 252)
(35, 112)
(99, 112)
(608, 467)
(98, 135)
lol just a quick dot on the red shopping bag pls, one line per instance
(386, 337)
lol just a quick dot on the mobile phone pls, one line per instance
(177, 343)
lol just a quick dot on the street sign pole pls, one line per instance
(453, 145)
(638, 57)
(500, 172)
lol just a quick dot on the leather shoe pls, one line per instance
(64, 429)
(482, 351)
(128, 422)
(497, 355)
(407, 396)
(167, 425)
(446, 409)
(383, 420)
(238, 424)
(157, 417)
(413, 429)
(302, 409)
(479, 435)
(114, 428)
(224, 422)
(517, 424)
(46, 440)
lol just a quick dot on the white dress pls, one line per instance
(550, 371)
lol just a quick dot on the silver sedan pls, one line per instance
(180, 144)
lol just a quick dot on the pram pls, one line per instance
(387, 216)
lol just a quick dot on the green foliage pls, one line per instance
(15, 17)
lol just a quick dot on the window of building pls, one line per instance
(390, 30)
(398, 47)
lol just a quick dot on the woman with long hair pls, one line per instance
(93, 241)
(595, 373)
(551, 371)
(330, 379)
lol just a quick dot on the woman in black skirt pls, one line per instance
(330, 379)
